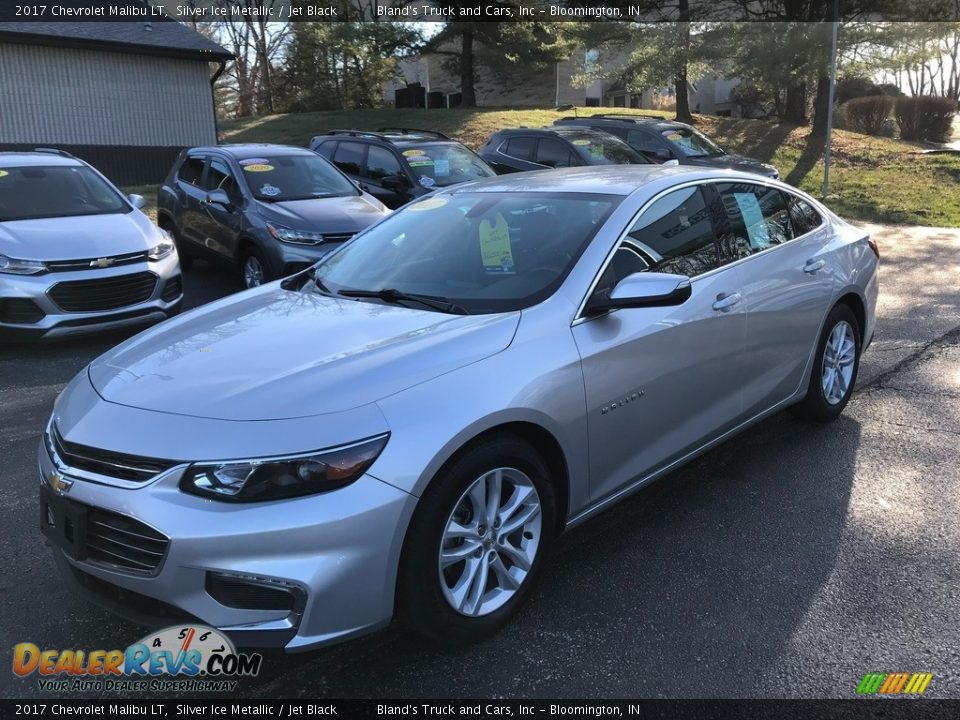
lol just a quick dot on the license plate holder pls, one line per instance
(64, 523)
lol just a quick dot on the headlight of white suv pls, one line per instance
(13, 266)
(264, 479)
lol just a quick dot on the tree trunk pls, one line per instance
(795, 107)
(468, 96)
(680, 80)
(821, 105)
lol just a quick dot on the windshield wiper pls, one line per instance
(392, 295)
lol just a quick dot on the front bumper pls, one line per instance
(35, 291)
(336, 553)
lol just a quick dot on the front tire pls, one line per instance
(254, 269)
(835, 367)
(477, 542)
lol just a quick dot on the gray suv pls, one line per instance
(76, 256)
(269, 210)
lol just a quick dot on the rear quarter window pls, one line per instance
(804, 216)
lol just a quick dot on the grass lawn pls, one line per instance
(872, 179)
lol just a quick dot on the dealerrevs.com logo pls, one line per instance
(187, 658)
(894, 683)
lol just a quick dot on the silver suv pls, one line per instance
(75, 254)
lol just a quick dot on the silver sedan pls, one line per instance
(409, 424)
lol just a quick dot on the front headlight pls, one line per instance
(296, 237)
(286, 477)
(13, 266)
(162, 249)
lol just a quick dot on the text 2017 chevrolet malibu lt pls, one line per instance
(411, 422)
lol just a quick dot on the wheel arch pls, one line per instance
(853, 300)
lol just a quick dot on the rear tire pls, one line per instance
(835, 367)
(463, 573)
(254, 270)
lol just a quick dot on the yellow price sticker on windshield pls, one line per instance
(429, 204)
(258, 168)
(413, 153)
(581, 142)
(3, 173)
(495, 248)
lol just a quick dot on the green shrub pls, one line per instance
(867, 114)
(925, 117)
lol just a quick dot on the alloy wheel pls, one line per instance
(252, 271)
(490, 542)
(838, 358)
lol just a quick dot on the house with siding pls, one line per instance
(124, 96)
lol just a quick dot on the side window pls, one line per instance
(220, 177)
(191, 171)
(382, 163)
(326, 149)
(553, 153)
(349, 157)
(805, 217)
(755, 218)
(645, 144)
(676, 234)
(520, 148)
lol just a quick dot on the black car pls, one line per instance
(521, 149)
(396, 165)
(270, 210)
(662, 140)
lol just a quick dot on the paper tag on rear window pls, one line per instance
(495, 246)
(757, 231)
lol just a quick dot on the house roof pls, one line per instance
(158, 37)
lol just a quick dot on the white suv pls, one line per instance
(75, 254)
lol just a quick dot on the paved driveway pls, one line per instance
(788, 562)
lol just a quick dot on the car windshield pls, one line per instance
(601, 149)
(48, 191)
(445, 164)
(692, 143)
(294, 177)
(484, 252)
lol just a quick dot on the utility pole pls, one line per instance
(833, 85)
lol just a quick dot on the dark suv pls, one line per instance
(396, 165)
(661, 140)
(270, 210)
(522, 149)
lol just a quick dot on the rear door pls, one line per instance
(662, 381)
(787, 285)
(351, 156)
(554, 153)
(385, 178)
(190, 196)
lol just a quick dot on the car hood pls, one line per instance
(734, 162)
(77, 237)
(333, 215)
(270, 354)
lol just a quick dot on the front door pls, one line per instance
(221, 224)
(662, 381)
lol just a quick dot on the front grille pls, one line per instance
(122, 542)
(105, 293)
(106, 462)
(337, 237)
(20, 310)
(91, 263)
(172, 289)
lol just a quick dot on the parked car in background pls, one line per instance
(408, 426)
(76, 255)
(269, 210)
(520, 149)
(661, 140)
(396, 165)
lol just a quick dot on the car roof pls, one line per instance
(649, 123)
(600, 179)
(561, 130)
(29, 159)
(241, 151)
(394, 136)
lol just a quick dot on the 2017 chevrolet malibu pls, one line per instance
(411, 422)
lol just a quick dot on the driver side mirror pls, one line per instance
(137, 201)
(396, 183)
(663, 154)
(642, 289)
(218, 197)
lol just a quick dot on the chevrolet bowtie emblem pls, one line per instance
(101, 262)
(59, 483)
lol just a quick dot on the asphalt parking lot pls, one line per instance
(786, 563)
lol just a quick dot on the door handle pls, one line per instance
(725, 301)
(813, 265)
